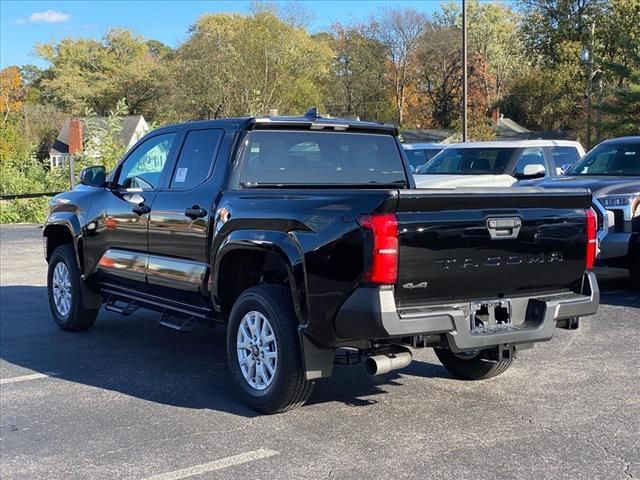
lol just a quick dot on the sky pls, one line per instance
(25, 23)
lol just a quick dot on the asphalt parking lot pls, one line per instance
(128, 399)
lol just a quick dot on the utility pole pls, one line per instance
(590, 82)
(464, 71)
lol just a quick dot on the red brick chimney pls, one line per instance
(75, 136)
(495, 116)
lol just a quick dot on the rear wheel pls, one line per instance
(263, 350)
(471, 366)
(65, 292)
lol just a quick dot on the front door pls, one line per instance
(180, 219)
(116, 239)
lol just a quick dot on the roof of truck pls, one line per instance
(623, 140)
(420, 146)
(517, 144)
(311, 119)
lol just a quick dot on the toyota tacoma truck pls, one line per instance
(306, 239)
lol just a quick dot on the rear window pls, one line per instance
(468, 161)
(274, 158)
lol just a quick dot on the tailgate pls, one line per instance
(489, 243)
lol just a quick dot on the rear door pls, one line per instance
(181, 216)
(487, 244)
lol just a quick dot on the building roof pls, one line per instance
(129, 125)
(507, 129)
(425, 135)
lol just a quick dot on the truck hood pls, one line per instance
(453, 181)
(600, 186)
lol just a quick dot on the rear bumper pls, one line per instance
(371, 313)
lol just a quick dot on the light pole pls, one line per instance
(587, 56)
(464, 71)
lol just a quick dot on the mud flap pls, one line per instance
(318, 362)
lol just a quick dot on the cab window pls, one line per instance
(144, 166)
(530, 157)
(196, 158)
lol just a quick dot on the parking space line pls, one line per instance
(25, 378)
(216, 465)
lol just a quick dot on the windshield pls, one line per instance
(294, 157)
(419, 156)
(610, 159)
(468, 161)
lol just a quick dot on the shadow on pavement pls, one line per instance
(616, 289)
(134, 356)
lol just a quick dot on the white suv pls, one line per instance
(497, 164)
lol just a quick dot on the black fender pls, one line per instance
(71, 222)
(283, 245)
(318, 362)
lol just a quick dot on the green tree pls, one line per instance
(103, 143)
(494, 34)
(547, 98)
(356, 83)
(86, 73)
(550, 24)
(245, 65)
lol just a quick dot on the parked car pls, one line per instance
(612, 172)
(305, 235)
(420, 153)
(497, 164)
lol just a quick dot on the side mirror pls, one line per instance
(93, 176)
(533, 170)
(565, 167)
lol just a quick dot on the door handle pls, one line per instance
(141, 209)
(195, 212)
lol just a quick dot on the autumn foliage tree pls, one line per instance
(11, 92)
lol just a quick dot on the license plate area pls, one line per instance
(489, 316)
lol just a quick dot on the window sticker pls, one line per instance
(181, 175)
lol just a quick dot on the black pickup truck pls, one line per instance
(306, 237)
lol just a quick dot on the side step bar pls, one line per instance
(133, 300)
(179, 324)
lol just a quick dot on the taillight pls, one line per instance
(591, 238)
(383, 268)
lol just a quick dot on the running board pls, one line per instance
(113, 302)
(134, 300)
(169, 320)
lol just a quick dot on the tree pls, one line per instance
(356, 85)
(400, 30)
(440, 75)
(245, 65)
(549, 98)
(86, 73)
(11, 92)
(494, 34)
(103, 142)
(549, 24)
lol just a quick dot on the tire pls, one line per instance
(63, 274)
(282, 385)
(471, 368)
